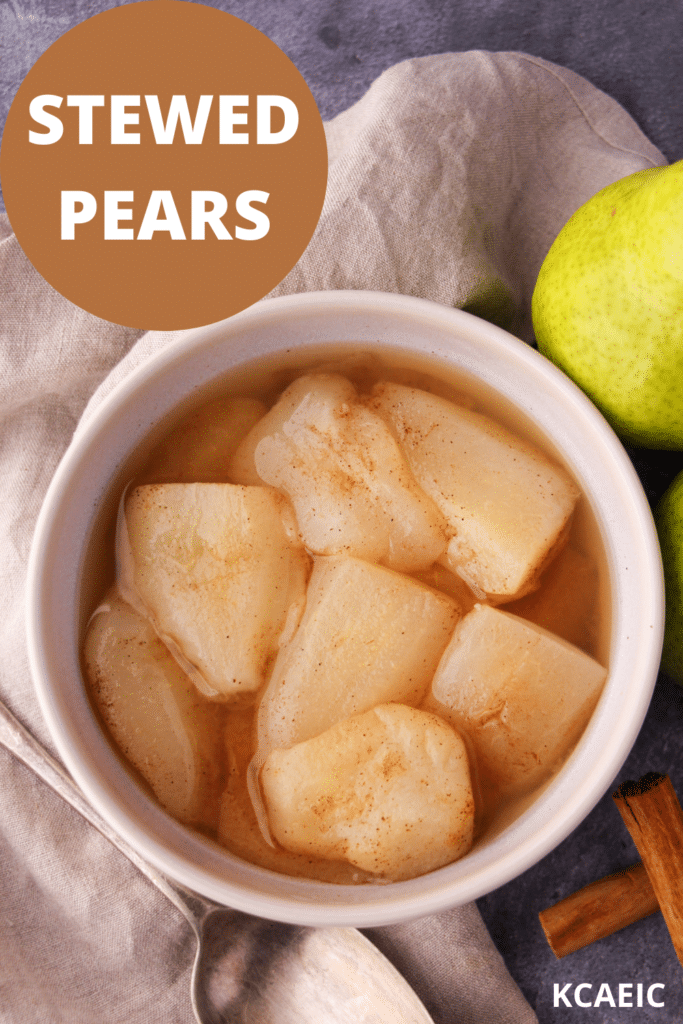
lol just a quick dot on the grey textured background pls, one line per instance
(633, 50)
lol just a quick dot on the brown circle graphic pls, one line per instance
(164, 165)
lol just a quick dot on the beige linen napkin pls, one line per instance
(449, 179)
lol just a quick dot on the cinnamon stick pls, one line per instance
(598, 910)
(654, 818)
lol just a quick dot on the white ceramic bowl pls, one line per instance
(69, 561)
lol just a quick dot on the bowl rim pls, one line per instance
(563, 803)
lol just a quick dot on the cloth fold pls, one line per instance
(449, 180)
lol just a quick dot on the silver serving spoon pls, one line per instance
(248, 970)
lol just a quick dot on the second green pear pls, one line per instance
(669, 520)
(608, 304)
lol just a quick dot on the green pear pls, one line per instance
(669, 520)
(608, 304)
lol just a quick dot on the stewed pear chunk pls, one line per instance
(368, 635)
(218, 572)
(345, 474)
(238, 828)
(522, 695)
(200, 448)
(388, 790)
(507, 505)
(161, 723)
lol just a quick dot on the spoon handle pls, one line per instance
(26, 748)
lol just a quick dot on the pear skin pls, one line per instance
(669, 521)
(608, 304)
